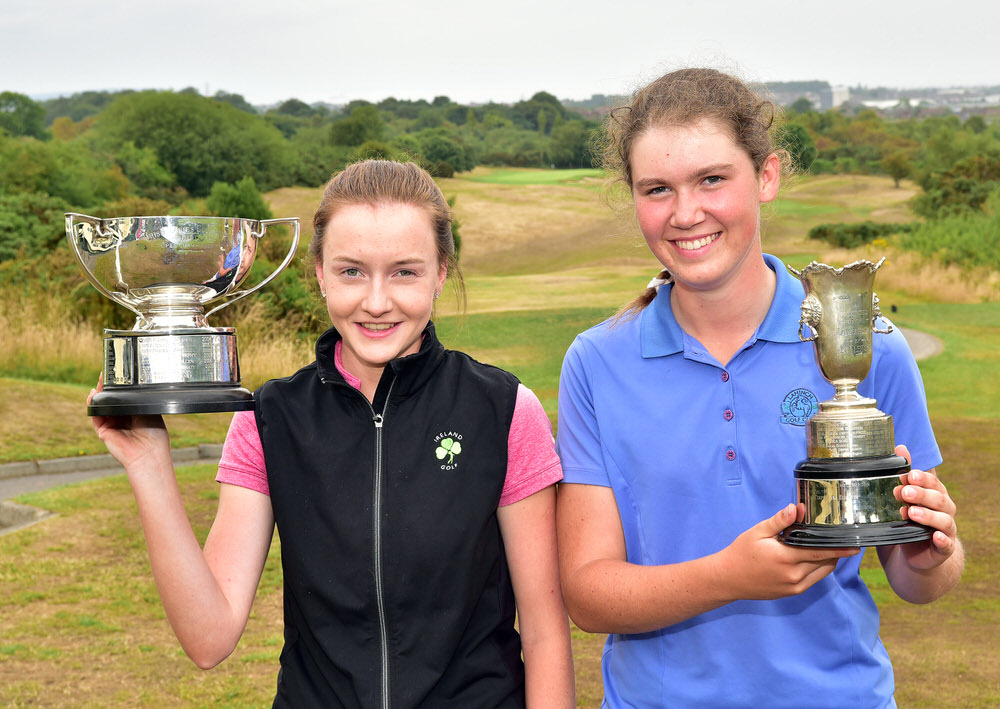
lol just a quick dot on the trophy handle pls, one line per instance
(877, 314)
(236, 295)
(811, 314)
(71, 219)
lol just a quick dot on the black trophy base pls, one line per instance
(165, 399)
(851, 502)
(855, 535)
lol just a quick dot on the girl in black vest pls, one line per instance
(411, 486)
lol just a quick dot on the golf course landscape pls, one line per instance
(545, 254)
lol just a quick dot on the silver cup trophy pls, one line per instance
(845, 487)
(166, 270)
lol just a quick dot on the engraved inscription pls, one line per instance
(187, 359)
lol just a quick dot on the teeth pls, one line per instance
(697, 243)
(376, 325)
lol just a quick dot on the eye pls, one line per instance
(659, 189)
(351, 272)
(407, 273)
(714, 179)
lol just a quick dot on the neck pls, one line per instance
(723, 318)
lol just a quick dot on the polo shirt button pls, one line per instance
(725, 376)
(728, 414)
(730, 454)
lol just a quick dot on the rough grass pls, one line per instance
(82, 623)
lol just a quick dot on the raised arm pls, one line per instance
(605, 593)
(207, 594)
(529, 536)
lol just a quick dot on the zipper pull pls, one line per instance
(378, 420)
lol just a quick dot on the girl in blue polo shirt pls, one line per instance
(678, 435)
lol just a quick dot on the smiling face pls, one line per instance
(380, 272)
(697, 200)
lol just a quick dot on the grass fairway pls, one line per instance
(585, 177)
(544, 258)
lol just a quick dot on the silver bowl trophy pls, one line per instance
(166, 270)
(845, 487)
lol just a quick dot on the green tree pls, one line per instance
(235, 100)
(31, 224)
(295, 107)
(240, 200)
(443, 155)
(363, 123)
(976, 123)
(801, 105)
(19, 115)
(374, 149)
(897, 164)
(569, 145)
(199, 140)
(799, 144)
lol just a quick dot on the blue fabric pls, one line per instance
(696, 453)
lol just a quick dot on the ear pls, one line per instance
(442, 277)
(319, 276)
(770, 178)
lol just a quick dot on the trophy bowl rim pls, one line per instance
(819, 267)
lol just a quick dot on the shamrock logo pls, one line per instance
(448, 447)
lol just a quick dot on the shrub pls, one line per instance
(855, 234)
(240, 200)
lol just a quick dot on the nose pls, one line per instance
(687, 211)
(377, 299)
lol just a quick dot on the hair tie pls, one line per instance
(661, 280)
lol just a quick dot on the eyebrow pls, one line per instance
(696, 175)
(415, 261)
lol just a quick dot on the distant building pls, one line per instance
(839, 95)
(820, 94)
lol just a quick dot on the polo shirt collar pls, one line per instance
(660, 335)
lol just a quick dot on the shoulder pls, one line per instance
(891, 349)
(467, 367)
(609, 345)
(303, 375)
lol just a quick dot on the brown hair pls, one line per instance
(682, 98)
(377, 182)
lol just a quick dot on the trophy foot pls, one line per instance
(855, 535)
(148, 401)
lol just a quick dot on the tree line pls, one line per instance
(149, 152)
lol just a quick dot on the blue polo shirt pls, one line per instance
(696, 453)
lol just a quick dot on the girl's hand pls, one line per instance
(761, 567)
(930, 505)
(130, 438)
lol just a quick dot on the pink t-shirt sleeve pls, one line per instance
(242, 461)
(532, 463)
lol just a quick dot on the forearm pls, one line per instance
(612, 596)
(548, 671)
(917, 585)
(199, 613)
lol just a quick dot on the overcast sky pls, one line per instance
(472, 51)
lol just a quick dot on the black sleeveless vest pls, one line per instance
(396, 587)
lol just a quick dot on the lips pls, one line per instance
(377, 329)
(692, 244)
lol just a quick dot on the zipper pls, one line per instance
(378, 420)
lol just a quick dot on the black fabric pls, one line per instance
(447, 597)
